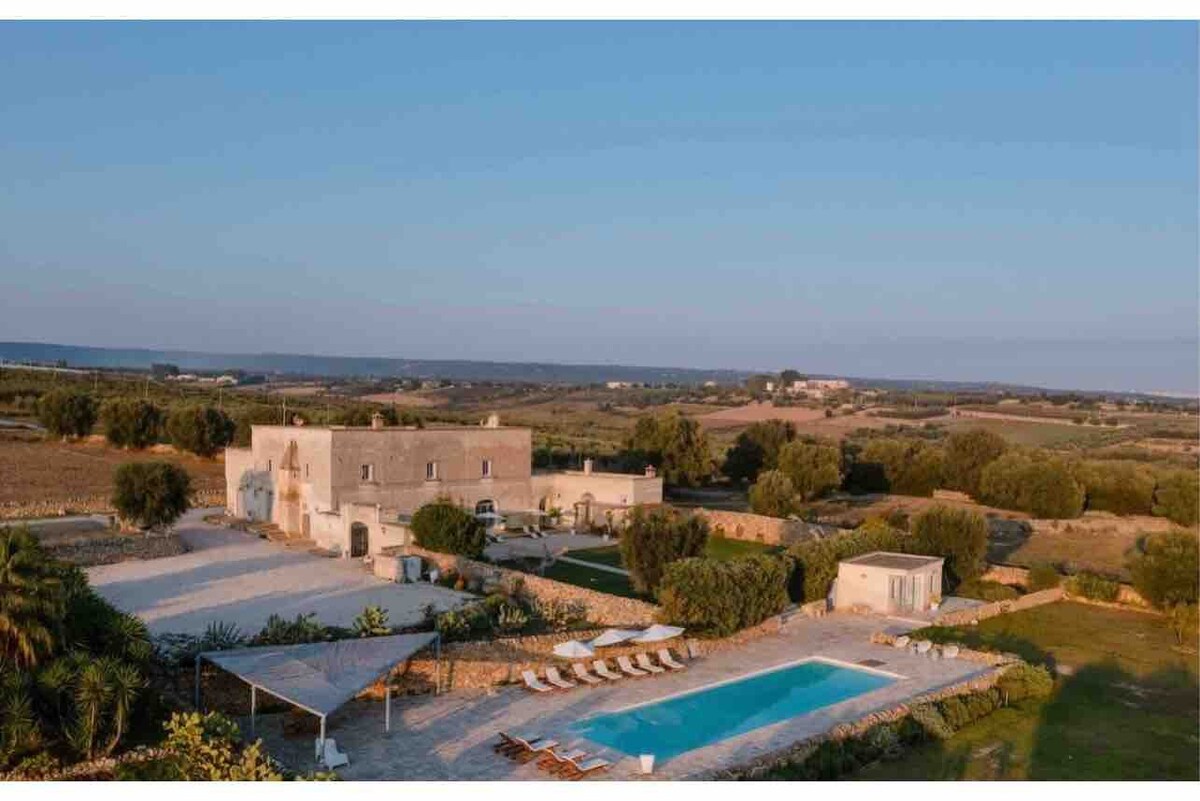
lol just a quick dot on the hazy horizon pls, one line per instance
(1014, 202)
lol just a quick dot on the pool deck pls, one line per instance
(450, 737)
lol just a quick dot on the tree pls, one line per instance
(1123, 488)
(720, 598)
(757, 449)
(675, 444)
(151, 494)
(1177, 497)
(1042, 486)
(814, 468)
(202, 430)
(1167, 571)
(65, 413)
(130, 423)
(654, 538)
(967, 453)
(910, 466)
(773, 494)
(31, 600)
(957, 535)
(816, 561)
(444, 527)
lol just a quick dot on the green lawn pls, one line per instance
(600, 580)
(1125, 706)
(718, 548)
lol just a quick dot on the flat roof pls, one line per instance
(893, 561)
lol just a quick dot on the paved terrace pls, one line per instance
(239, 578)
(450, 737)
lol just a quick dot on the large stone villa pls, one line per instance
(351, 489)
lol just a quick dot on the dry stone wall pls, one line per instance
(119, 548)
(755, 528)
(1019, 577)
(967, 616)
(89, 505)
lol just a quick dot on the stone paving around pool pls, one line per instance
(451, 736)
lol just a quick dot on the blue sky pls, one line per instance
(844, 198)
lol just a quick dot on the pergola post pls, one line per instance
(253, 708)
(321, 742)
(437, 664)
(387, 709)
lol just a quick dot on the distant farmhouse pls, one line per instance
(352, 489)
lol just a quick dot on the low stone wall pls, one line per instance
(755, 528)
(1019, 577)
(975, 614)
(799, 751)
(991, 658)
(602, 608)
(952, 495)
(119, 548)
(88, 505)
(103, 768)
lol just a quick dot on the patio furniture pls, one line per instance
(627, 667)
(612, 637)
(901, 641)
(511, 745)
(692, 651)
(665, 658)
(554, 762)
(575, 770)
(535, 750)
(657, 633)
(603, 671)
(643, 662)
(581, 672)
(553, 676)
(331, 757)
(533, 682)
(574, 649)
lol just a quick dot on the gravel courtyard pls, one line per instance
(239, 578)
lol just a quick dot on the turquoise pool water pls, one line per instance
(701, 717)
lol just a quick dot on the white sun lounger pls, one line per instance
(665, 658)
(581, 672)
(534, 683)
(627, 667)
(603, 671)
(331, 757)
(553, 676)
(643, 661)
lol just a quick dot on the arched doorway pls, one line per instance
(485, 507)
(359, 544)
(583, 510)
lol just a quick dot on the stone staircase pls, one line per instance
(273, 533)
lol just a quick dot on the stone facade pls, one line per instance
(343, 487)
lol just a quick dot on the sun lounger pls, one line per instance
(575, 770)
(535, 750)
(627, 667)
(329, 755)
(511, 745)
(665, 658)
(581, 672)
(553, 676)
(603, 671)
(534, 683)
(554, 761)
(643, 661)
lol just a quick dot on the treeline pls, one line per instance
(199, 428)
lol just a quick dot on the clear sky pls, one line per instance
(963, 201)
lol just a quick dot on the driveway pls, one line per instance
(239, 578)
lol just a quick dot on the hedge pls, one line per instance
(816, 561)
(718, 598)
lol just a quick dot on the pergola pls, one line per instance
(319, 677)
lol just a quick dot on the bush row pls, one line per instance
(717, 598)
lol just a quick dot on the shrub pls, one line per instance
(560, 615)
(372, 622)
(1167, 571)
(814, 468)
(1177, 497)
(957, 535)
(816, 561)
(1042, 486)
(757, 449)
(65, 413)
(986, 590)
(908, 465)
(1095, 587)
(719, 598)
(441, 526)
(1023, 680)
(931, 721)
(202, 430)
(279, 631)
(967, 454)
(205, 748)
(1123, 488)
(773, 494)
(1043, 576)
(151, 494)
(130, 423)
(1184, 623)
(511, 619)
(655, 538)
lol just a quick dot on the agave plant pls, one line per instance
(372, 622)
(511, 619)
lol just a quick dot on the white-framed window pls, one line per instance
(486, 470)
(366, 472)
(431, 471)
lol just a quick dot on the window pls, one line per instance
(367, 472)
(270, 466)
(487, 468)
(306, 469)
(431, 471)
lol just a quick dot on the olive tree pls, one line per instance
(130, 422)
(202, 430)
(814, 468)
(151, 494)
(773, 494)
(444, 527)
(65, 413)
(654, 538)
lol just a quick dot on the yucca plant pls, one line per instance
(372, 622)
(31, 600)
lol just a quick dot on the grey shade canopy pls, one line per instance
(320, 676)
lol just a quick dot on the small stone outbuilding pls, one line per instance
(889, 583)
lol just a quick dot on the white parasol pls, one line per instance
(612, 637)
(573, 649)
(657, 633)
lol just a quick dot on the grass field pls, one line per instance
(1125, 705)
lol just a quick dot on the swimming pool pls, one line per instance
(680, 723)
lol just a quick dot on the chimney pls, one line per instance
(492, 421)
(376, 421)
(587, 467)
(650, 471)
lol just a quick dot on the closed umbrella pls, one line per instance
(573, 649)
(612, 637)
(657, 633)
